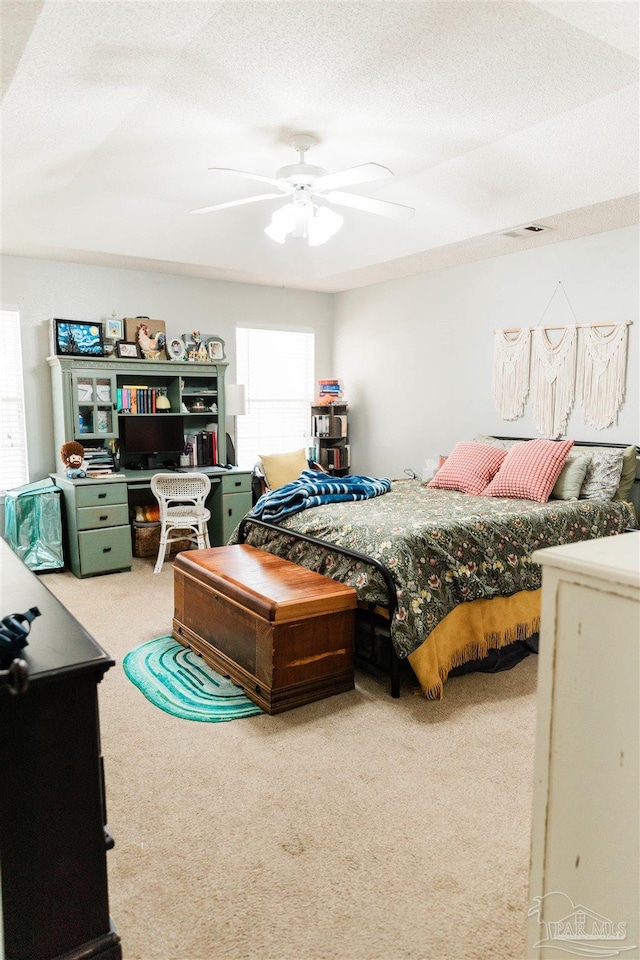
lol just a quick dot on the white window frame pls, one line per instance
(14, 466)
(277, 367)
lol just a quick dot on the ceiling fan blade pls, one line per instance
(396, 211)
(345, 178)
(237, 203)
(280, 184)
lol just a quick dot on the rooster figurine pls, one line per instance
(151, 347)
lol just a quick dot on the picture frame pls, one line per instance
(128, 350)
(215, 349)
(176, 349)
(113, 329)
(78, 338)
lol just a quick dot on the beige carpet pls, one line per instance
(356, 828)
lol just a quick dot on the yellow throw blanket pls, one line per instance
(469, 632)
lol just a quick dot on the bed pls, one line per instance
(448, 572)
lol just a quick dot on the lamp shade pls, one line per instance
(235, 402)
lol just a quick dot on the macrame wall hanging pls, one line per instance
(511, 354)
(553, 378)
(527, 362)
(602, 369)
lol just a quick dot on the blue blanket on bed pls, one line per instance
(312, 489)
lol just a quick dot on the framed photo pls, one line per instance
(113, 329)
(176, 349)
(128, 350)
(77, 339)
(215, 348)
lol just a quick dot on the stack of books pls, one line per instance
(329, 391)
(98, 462)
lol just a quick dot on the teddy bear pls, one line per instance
(72, 455)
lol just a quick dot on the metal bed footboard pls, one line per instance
(390, 605)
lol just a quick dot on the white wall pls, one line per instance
(42, 289)
(416, 354)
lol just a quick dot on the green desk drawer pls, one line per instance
(100, 494)
(92, 518)
(236, 483)
(104, 550)
(235, 506)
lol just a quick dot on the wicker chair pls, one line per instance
(181, 498)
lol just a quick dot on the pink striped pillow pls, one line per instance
(530, 470)
(469, 467)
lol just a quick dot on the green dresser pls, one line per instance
(96, 515)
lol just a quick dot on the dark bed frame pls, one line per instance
(374, 648)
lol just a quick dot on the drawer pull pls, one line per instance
(106, 549)
(105, 516)
(230, 511)
(237, 483)
(101, 496)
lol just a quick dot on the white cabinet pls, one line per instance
(585, 869)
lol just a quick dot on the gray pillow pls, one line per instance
(568, 484)
(603, 474)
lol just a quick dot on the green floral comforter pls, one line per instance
(442, 548)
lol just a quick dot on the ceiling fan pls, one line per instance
(308, 189)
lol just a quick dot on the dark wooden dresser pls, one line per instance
(53, 836)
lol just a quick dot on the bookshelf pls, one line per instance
(330, 436)
(107, 403)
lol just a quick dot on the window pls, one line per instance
(277, 368)
(13, 441)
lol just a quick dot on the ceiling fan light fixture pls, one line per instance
(282, 223)
(323, 225)
(304, 220)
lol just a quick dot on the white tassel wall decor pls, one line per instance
(511, 356)
(602, 367)
(553, 373)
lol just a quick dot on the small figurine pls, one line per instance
(72, 455)
(150, 346)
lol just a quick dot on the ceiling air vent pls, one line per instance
(525, 230)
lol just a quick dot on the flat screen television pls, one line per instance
(153, 435)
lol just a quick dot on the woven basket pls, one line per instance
(146, 541)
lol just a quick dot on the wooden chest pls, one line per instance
(282, 632)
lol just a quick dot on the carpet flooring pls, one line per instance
(355, 828)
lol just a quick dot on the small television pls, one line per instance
(152, 436)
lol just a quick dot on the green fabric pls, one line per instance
(629, 462)
(178, 681)
(567, 486)
(441, 547)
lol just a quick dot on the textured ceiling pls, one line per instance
(491, 114)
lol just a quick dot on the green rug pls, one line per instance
(178, 681)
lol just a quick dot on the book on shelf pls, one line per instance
(328, 425)
(202, 448)
(321, 425)
(138, 398)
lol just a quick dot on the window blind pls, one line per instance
(277, 368)
(13, 441)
